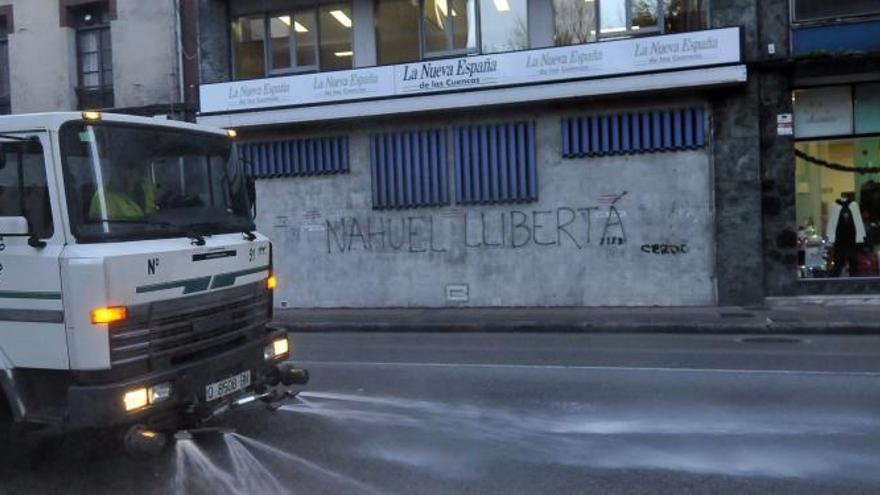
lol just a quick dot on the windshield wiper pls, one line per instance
(247, 232)
(197, 239)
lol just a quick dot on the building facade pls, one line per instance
(821, 209)
(125, 55)
(431, 153)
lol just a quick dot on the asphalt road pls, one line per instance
(522, 413)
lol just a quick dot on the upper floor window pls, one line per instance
(397, 31)
(292, 41)
(448, 27)
(814, 10)
(94, 56)
(408, 30)
(504, 25)
(582, 21)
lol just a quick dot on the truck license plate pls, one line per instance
(228, 386)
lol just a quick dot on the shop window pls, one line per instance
(504, 25)
(94, 56)
(496, 163)
(838, 207)
(409, 169)
(867, 108)
(580, 21)
(837, 180)
(302, 39)
(296, 157)
(814, 10)
(825, 111)
(24, 190)
(633, 132)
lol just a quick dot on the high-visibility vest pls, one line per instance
(121, 206)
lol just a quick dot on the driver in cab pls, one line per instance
(128, 194)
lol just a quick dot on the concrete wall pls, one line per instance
(43, 56)
(145, 53)
(41, 59)
(547, 253)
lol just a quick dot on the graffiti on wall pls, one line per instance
(413, 234)
(566, 226)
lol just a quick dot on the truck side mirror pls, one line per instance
(18, 227)
(14, 226)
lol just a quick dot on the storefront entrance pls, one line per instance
(837, 181)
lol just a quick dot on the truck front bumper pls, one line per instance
(103, 406)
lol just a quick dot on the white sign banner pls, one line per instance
(611, 58)
(823, 112)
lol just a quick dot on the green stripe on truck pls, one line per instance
(189, 286)
(14, 294)
(227, 279)
(201, 283)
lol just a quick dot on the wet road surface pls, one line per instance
(522, 413)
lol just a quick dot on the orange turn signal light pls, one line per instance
(109, 314)
(271, 282)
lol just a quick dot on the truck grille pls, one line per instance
(176, 331)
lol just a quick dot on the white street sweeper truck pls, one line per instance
(134, 290)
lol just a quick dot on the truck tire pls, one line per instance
(6, 423)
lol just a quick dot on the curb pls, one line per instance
(762, 328)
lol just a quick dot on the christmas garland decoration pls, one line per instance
(835, 166)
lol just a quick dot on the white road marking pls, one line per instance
(589, 368)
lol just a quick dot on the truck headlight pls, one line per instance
(160, 392)
(142, 397)
(278, 349)
(136, 399)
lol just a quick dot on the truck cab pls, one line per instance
(134, 289)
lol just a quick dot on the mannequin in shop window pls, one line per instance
(869, 200)
(845, 231)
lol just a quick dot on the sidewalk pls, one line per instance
(776, 318)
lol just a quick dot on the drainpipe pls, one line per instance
(181, 89)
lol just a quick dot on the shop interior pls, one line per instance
(838, 207)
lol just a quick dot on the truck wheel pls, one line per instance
(141, 442)
(5, 433)
(6, 423)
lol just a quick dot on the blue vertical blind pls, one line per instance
(634, 132)
(495, 163)
(409, 169)
(315, 156)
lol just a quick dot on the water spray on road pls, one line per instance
(237, 471)
(293, 458)
(440, 436)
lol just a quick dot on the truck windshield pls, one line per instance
(127, 182)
